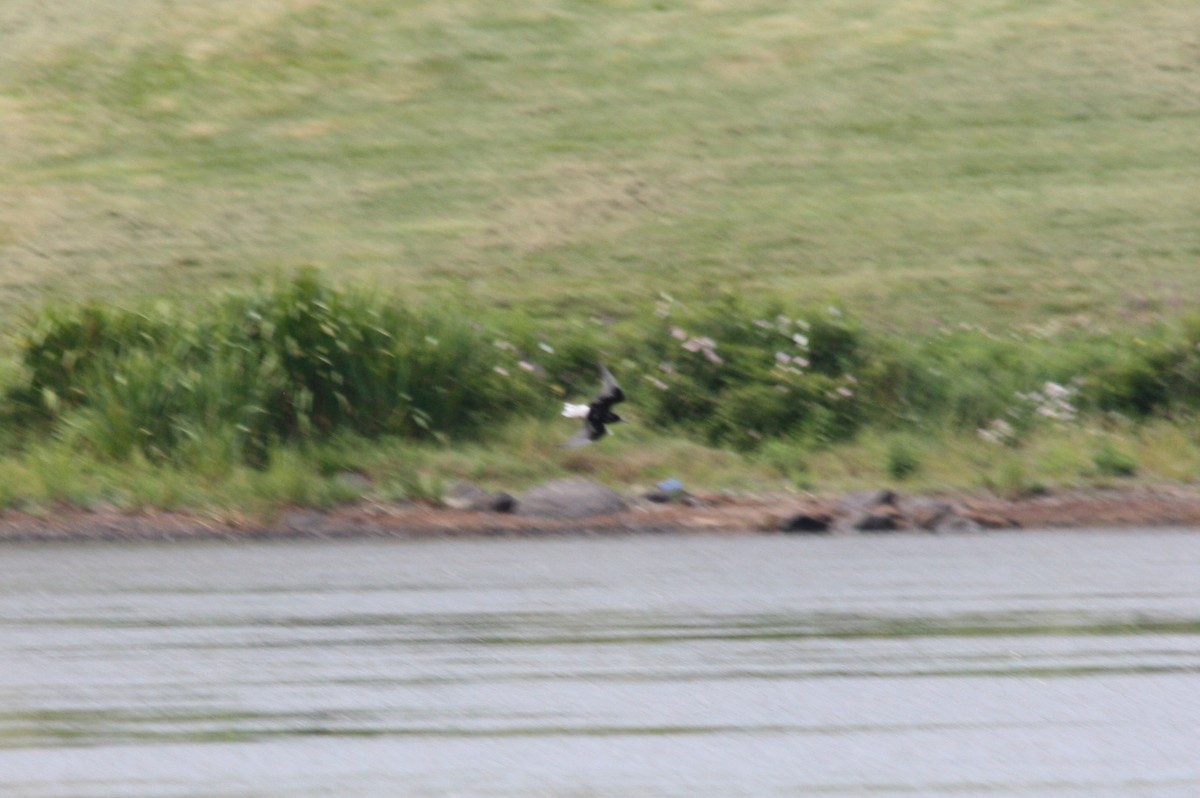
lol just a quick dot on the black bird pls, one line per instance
(596, 414)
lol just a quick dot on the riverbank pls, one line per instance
(1107, 508)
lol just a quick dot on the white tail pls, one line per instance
(574, 411)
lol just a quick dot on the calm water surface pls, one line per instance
(1030, 664)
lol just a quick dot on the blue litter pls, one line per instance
(671, 486)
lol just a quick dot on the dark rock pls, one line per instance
(659, 496)
(808, 523)
(939, 516)
(500, 503)
(871, 511)
(465, 495)
(878, 520)
(573, 497)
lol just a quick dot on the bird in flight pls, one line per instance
(596, 414)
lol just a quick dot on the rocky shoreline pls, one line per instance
(607, 512)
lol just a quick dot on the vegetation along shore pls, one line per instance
(303, 394)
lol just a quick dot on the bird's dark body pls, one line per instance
(600, 413)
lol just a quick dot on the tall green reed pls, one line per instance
(294, 360)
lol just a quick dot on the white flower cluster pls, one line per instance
(705, 345)
(998, 431)
(790, 361)
(1053, 402)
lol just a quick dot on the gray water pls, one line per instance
(1031, 664)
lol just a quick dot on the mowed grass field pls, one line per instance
(997, 161)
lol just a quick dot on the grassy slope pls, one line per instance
(997, 162)
(994, 161)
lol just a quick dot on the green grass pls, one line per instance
(562, 170)
(998, 162)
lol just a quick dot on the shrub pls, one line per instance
(1146, 372)
(354, 361)
(292, 360)
(1109, 461)
(901, 459)
(739, 376)
(65, 347)
(1134, 386)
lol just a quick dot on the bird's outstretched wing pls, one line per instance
(610, 392)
